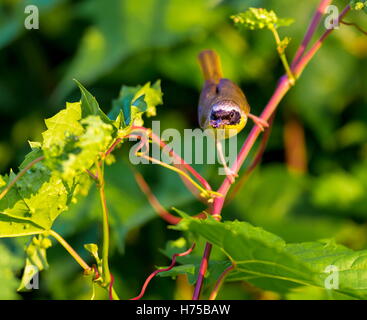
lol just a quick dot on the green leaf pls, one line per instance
(267, 261)
(33, 203)
(259, 18)
(92, 248)
(133, 102)
(72, 144)
(36, 260)
(89, 104)
(64, 123)
(82, 152)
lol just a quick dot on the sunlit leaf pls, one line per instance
(267, 261)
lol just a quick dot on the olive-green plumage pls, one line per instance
(222, 104)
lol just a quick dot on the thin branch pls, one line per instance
(182, 166)
(299, 67)
(218, 284)
(69, 249)
(154, 273)
(282, 56)
(19, 175)
(311, 30)
(113, 146)
(202, 270)
(106, 231)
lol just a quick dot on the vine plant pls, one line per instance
(78, 144)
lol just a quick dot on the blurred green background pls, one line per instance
(312, 183)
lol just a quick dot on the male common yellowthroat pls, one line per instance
(222, 104)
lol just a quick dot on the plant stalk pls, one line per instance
(69, 249)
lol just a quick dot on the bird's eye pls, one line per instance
(232, 114)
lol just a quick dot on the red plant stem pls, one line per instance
(154, 273)
(110, 287)
(113, 146)
(202, 270)
(309, 55)
(280, 91)
(311, 30)
(219, 282)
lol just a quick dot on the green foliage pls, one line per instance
(267, 261)
(89, 105)
(259, 18)
(133, 102)
(71, 144)
(33, 204)
(147, 39)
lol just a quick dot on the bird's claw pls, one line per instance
(259, 122)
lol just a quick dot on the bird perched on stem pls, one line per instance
(223, 107)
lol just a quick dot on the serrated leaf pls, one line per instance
(36, 199)
(267, 261)
(65, 122)
(133, 102)
(82, 152)
(36, 260)
(89, 104)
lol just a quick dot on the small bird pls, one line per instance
(223, 107)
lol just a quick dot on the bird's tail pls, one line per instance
(210, 65)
